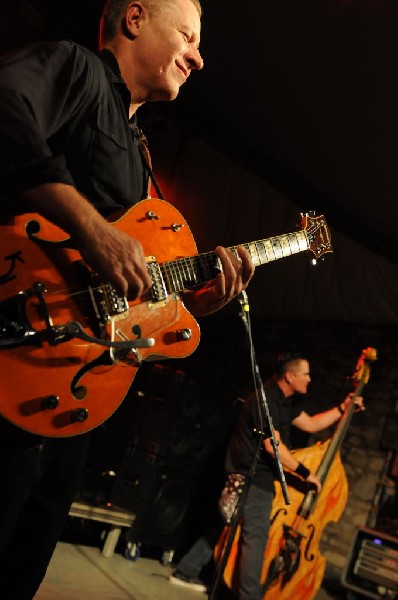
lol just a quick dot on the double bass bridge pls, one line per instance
(286, 563)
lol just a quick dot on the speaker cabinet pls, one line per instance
(179, 420)
(163, 496)
(372, 568)
(173, 465)
(161, 455)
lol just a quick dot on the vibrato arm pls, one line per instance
(75, 330)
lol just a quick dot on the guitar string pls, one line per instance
(189, 265)
(180, 271)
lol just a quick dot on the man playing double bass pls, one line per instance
(248, 447)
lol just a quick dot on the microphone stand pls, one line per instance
(233, 526)
(245, 314)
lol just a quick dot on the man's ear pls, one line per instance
(133, 18)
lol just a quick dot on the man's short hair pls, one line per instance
(287, 360)
(113, 12)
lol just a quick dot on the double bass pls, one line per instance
(293, 566)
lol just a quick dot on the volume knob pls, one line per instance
(50, 402)
(79, 415)
(183, 335)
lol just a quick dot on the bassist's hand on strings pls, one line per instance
(303, 472)
(289, 461)
(314, 480)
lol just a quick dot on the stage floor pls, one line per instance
(78, 571)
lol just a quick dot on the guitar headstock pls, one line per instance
(318, 234)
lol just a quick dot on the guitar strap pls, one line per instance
(146, 159)
(230, 495)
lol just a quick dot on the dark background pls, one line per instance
(296, 109)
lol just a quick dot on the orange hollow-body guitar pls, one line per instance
(70, 346)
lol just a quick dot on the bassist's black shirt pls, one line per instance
(245, 441)
(64, 119)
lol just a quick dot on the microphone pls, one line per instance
(244, 301)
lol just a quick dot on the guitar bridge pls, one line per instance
(106, 302)
(16, 329)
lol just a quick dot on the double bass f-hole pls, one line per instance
(311, 556)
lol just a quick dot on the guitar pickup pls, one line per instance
(159, 290)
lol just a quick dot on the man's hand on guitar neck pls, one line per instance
(236, 274)
(119, 258)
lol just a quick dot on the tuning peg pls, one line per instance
(308, 213)
(315, 261)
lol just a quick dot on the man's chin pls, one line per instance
(164, 95)
(174, 93)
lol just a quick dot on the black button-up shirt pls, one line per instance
(64, 118)
(246, 439)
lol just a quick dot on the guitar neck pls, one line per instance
(193, 271)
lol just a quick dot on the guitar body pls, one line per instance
(60, 389)
(70, 346)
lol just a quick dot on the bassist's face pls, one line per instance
(298, 377)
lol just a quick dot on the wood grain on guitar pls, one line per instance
(70, 346)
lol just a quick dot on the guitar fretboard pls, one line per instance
(192, 271)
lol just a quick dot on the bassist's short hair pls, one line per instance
(287, 360)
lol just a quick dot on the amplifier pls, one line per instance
(372, 567)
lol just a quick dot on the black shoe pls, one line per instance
(194, 584)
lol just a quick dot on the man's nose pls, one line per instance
(195, 59)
